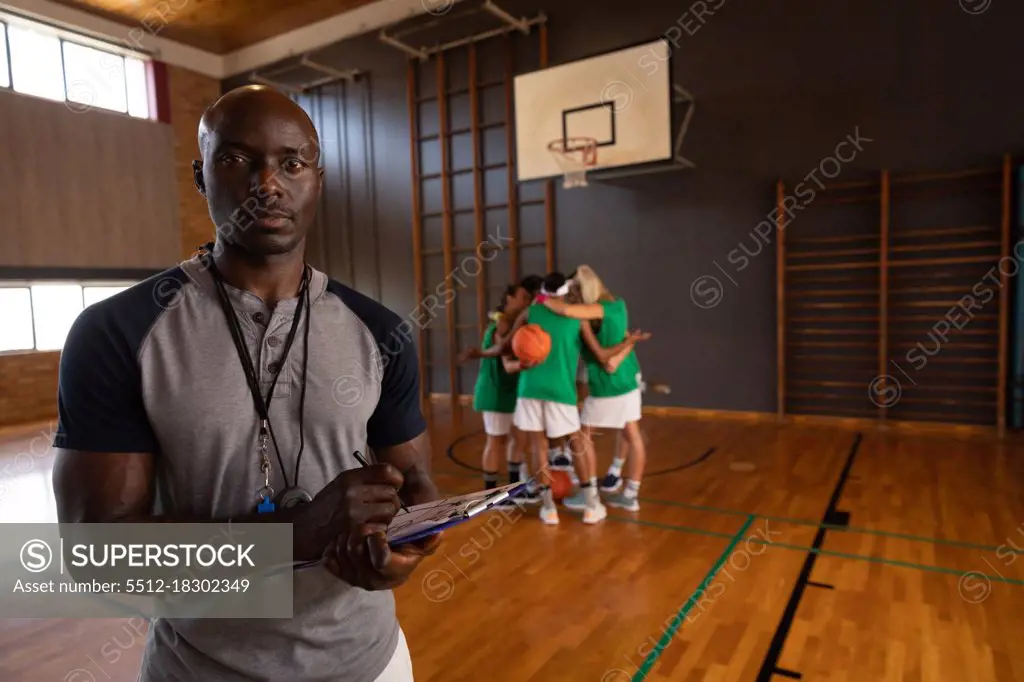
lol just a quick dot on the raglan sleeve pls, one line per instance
(99, 389)
(397, 417)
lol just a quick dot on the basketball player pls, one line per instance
(613, 401)
(495, 393)
(546, 407)
(163, 415)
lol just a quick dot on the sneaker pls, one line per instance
(622, 502)
(577, 502)
(595, 514)
(549, 516)
(611, 483)
(573, 478)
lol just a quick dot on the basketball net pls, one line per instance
(574, 156)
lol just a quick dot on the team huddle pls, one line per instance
(529, 406)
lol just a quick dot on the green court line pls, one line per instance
(829, 526)
(663, 643)
(889, 562)
(842, 555)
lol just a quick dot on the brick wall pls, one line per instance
(190, 94)
(28, 381)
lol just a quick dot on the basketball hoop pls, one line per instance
(574, 156)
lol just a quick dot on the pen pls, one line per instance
(363, 462)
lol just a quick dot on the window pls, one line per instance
(39, 315)
(35, 63)
(54, 309)
(36, 59)
(92, 295)
(16, 313)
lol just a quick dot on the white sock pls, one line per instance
(547, 499)
(616, 468)
(632, 489)
(593, 482)
(590, 495)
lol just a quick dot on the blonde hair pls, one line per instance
(592, 289)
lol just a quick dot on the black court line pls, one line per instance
(771, 659)
(811, 583)
(685, 465)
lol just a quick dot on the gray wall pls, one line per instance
(778, 86)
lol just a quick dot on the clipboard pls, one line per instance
(430, 518)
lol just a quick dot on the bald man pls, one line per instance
(170, 390)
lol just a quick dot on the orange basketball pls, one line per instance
(531, 344)
(561, 485)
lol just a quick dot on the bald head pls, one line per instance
(251, 101)
(260, 170)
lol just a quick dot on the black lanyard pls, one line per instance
(263, 407)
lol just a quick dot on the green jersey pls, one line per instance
(553, 380)
(612, 332)
(495, 388)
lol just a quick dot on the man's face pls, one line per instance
(261, 178)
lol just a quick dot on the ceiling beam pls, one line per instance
(361, 20)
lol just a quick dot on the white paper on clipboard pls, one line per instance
(423, 517)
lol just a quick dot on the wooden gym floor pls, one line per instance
(844, 556)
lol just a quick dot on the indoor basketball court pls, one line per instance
(826, 254)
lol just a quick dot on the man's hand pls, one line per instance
(364, 559)
(356, 497)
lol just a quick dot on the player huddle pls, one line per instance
(588, 328)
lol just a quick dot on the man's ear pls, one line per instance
(197, 177)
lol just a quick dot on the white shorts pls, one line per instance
(497, 423)
(400, 667)
(611, 413)
(554, 419)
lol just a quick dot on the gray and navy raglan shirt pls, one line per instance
(154, 369)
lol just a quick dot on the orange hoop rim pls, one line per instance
(569, 147)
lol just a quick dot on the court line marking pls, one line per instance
(684, 610)
(828, 526)
(770, 665)
(801, 548)
(794, 521)
(963, 544)
(826, 552)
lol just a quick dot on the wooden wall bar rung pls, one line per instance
(465, 131)
(951, 175)
(835, 240)
(455, 92)
(465, 171)
(943, 231)
(911, 248)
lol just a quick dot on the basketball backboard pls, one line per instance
(621, 99)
